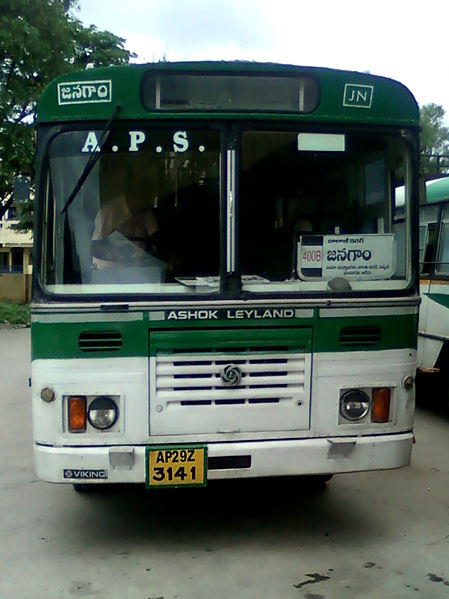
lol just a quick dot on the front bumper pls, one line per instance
(126, 464)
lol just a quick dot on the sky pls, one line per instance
(406, 40)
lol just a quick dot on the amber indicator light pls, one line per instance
(380, 411)
(77, 414)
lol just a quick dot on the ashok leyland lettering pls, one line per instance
(225, 282)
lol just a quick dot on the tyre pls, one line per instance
(317, 481)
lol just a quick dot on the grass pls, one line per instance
(15, 315)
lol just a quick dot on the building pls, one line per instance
(15, 260)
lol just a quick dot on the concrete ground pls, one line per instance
(381, 535)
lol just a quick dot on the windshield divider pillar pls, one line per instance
(230, 212)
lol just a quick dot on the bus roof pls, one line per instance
(344, 96)
(437, 190)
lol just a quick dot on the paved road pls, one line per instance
(373, 536)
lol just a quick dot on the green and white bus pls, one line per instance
(225, 281)
(433, 335)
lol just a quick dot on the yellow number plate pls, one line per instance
(176, 466)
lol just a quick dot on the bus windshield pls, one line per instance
(315, 211)
(146, 219)
(324, 211)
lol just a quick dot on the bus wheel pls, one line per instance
(317, 481)
(441, 389)
(443, 404)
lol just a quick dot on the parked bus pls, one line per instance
(225, 282)
(433, 337)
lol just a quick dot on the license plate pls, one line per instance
(176, 466)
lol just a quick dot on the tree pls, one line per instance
(434, 140)
(39, 40)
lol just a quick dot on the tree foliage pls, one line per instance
(39, 40)
(434, 140)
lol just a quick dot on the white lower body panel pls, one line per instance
(433, 322)
(126, 464)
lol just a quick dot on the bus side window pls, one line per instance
(429, 248)
(429, 216)
(442, 260)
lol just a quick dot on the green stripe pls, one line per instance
(396, 332)
(61, 340)
(439, 298)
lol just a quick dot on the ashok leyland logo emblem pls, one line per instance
(231, 375)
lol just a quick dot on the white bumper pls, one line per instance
(126, 464)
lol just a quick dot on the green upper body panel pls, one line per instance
(388, 102)
(437, 190)
(61, 340)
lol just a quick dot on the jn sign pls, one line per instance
(358, 96)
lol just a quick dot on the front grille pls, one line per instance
(230, 382)
(100, 341)
(197, 380)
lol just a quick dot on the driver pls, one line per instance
(126, 222)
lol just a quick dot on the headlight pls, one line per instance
(102, 413)
(354, 404)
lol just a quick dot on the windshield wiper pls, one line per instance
(93, 159)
